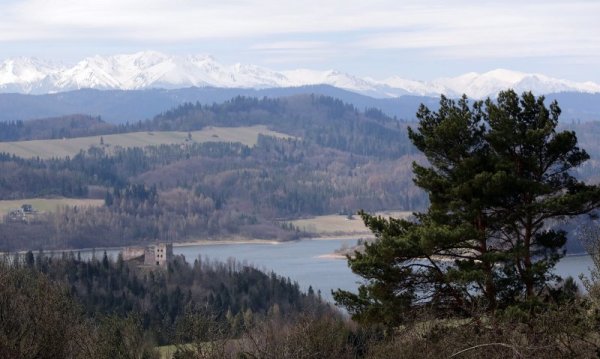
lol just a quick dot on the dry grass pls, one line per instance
(167, 351)
(47, 204)
(71, 146)
(335, 224)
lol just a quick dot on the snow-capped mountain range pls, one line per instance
(146, 70)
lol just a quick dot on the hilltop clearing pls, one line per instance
(52, 148)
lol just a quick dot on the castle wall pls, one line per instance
(130, 253)
(149, 257)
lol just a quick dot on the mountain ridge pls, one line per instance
(120, 106)
(155, 70)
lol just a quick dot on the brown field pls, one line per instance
(334, 224)
(47, 204)
(71, 146)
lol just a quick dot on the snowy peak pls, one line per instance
(155, 70)
(303, 77)
(22, 70)
(25, 74)
(480, 85)
(151, 69)
(488, 84)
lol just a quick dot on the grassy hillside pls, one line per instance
(46, 149)
(335, 224)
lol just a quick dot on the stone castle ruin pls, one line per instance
(157, 255)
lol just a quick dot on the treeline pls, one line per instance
(231, 293)
(174, 215)
(322, 120)
(74, 177)
(290, 178)
(29, 178)
(71, 308)
(56, 127)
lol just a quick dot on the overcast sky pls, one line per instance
(378, 38)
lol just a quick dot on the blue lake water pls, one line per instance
(298, 260)
(301, 261)
(574, 266)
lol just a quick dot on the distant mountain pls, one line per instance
(154, 70)
(28, 75)
(119, 106)
(488, 84)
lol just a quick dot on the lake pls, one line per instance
(298, 260)
(301, 261)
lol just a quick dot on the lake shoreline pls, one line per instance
(237, 241)
(200, 242)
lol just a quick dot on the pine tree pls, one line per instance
(497, 173)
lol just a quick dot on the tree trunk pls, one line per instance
(528, 278)
(490, 287)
